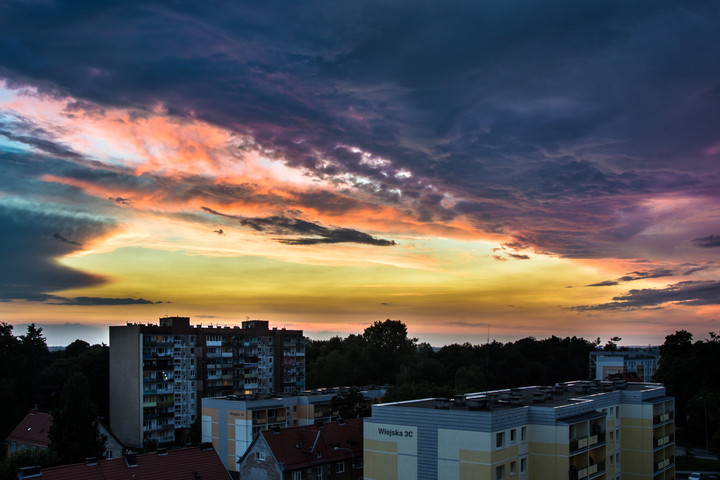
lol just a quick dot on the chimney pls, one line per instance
(130, 459)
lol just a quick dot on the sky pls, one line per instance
(475, 169)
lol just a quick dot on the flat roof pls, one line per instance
(540, 396)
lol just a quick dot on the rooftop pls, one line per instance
(551, 396)
(300, 447)
(193, 463)
(32, 430)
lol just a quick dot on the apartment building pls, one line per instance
(576, 431)
(640, 360)
(159, 372)
(232, 423)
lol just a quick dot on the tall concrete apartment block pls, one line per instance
(575, 431)
(159, 373)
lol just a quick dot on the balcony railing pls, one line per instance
(663, 418)
(663, 441)
(663, 464)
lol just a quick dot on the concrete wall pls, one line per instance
(126, 384)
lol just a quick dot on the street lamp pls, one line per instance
(352, 468)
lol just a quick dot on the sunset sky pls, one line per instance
(541, 168)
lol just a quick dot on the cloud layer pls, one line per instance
(585, 132)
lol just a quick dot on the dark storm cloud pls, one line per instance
(23, 130)
(683, 293)
(711, 241)
(93, 301)
(29, 250)
(606, 283)
(548, 121)
(310, 233)
(60, 238)
(654, 273)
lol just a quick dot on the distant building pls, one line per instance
(640, 360)
(576, 430)
(321, 451)
(232, 423)
(158, 373)
(200, 463)
(31, 432)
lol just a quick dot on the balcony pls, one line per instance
(663, 464)
(663, 418)
(661, 442)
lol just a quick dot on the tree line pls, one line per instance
(690, 373)
(384, 355)
(72, 384)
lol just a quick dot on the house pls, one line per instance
(31, 432)
(159, 372)
(574, 430)
(231, 423)
(321, 451)
(193, 463)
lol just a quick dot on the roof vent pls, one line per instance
(206, 446)
(481, 403)
(130, 459)
(91, 461)
(29, 472)
(162, 451)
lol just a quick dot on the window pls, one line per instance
(513, 438)
(260, 456)
(340, 467)
(318, 473)
(523, 465)
(297, 476)
(499, 440)
(513, 468)
(617, 412)
(523, 434)
(500, 472)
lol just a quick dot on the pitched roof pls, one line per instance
(32, 430)
(193, 463)
(299, 447)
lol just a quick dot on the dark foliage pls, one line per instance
(385, 355)
(33, 377)
(690, 374)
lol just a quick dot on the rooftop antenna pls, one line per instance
(487, 363)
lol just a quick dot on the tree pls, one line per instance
(26, 457)
(74, 435)
(611, 345)
(387, 348)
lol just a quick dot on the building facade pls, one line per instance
(232, 423)
(159, 373)
(575, 431)
(640, 360)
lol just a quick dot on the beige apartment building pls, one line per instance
(575, 430)
(232, 423)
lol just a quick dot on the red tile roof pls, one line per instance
(32, 430)
(193, 463)
(309, 445)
